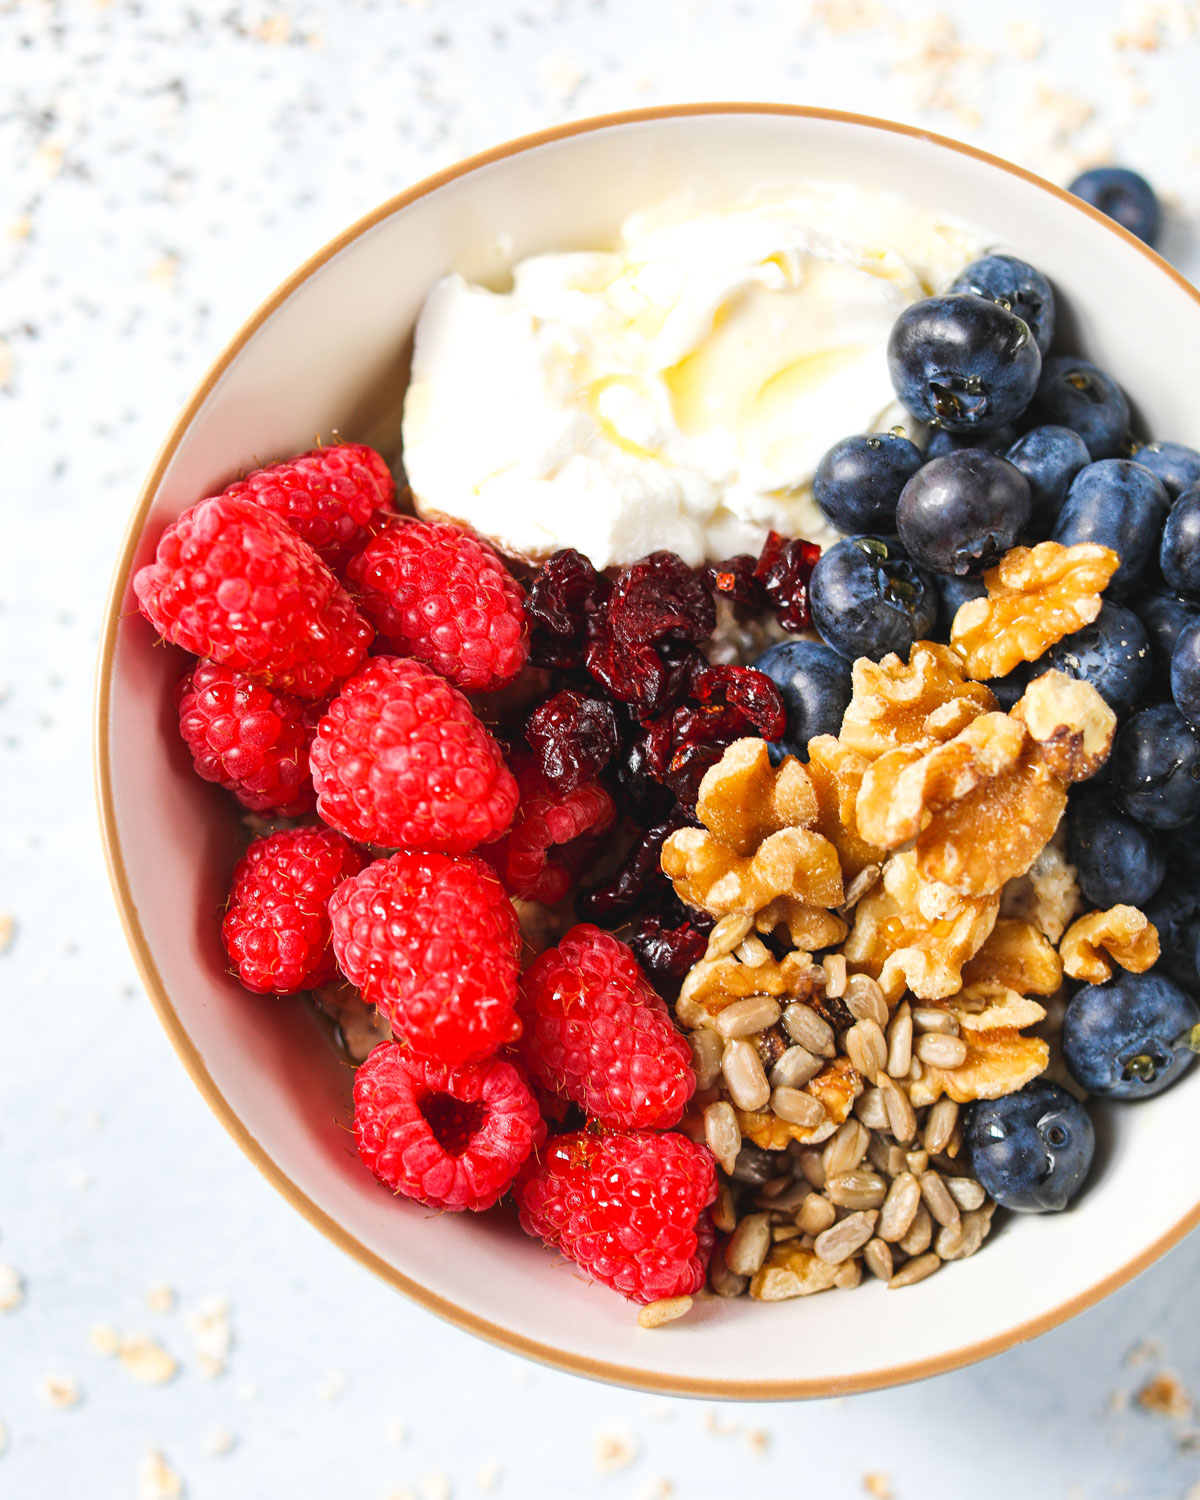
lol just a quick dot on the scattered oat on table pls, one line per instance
(655, 1314)
(1026, 38)
(758, 1440)
(61, 1391)
(220, 1442)
(157, 1480)
(397, 1432)
(146, 1359)
(717, 1424)
(333, 1386)
(213, 1334)
(161, 1299)
(12, 1287)
(613, 1450)
(487, 1477)
(7, 926)
(1143, 1353)
(878, 1486)
(3, 1437)
(656, 1489)
(1165, 1397)
(436, 1485)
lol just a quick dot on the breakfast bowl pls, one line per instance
(329, 353)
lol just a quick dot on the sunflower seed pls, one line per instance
(803, 1025)
(781, 1232)
(724, 1282)
(666, 1310)
(753, 952)
(901, 1117)
(938, 1200)
(841, 1240)
(878, 1258)
(914, 1271)
(812, 1166)
(795, 1068)
(899, 1207)
(917, 1238)
(748, 1245)
(929, 1020)
(939, 1122)
(724, 1214)
(849, 1274)
(797, 1107)
(744, 1076)
(815, 1214)
(745, 1017)
(726, 935)
(870, 1108)
(917, 1161)
(857, 1189)
(864, 1000)
(936, 1050)
(885, 1156)
(706, 1057)
(966, 1192)
(754, 1165)
(721, 1134)
(835, 975)
(845, 1148)
(866, 1048)
(958, 1243)
(900, 1035)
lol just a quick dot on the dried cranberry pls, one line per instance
(735, 579)
(784, 569)
(633, 887)
(573, 737)
(746, 689)
(632, 674)
(659, 597)
(667, 953)
(565, 595)
(641, 768)
(699, 736)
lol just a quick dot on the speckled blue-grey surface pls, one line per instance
(164, 165)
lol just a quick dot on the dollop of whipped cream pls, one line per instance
(677, 391)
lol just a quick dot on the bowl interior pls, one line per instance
(329, 354)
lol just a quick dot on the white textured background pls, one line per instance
(162, 166)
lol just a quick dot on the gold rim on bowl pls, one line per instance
(563, 1359)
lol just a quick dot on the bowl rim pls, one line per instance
(189, 1055)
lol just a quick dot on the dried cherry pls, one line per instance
(784, 568)
(573, 736)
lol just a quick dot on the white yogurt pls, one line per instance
(678, 391)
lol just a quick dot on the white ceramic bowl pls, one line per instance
(327, 352)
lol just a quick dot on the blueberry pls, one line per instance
(1132, 1037)
(963, 362)
(814, 682)
(1179, 554)
(1124, 196)
(1175, 464)
(868, 598)
(1016, 285)
(1175, 910)
(1185, 674)
(1165, 616)
(1156, 767)
(1031, 1150)
(1117, 860)
(941, 441)
(859, 480)
(953, 593)
(1049, 458)
(1009, 689)
(1120, 505)
(1112, 653)
(1075, 393)
(962, 511)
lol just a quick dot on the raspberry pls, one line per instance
(329, 496)
(546, 818)
(276, 929)
(435, 593)
(230, 581)
(432, 940)
(595, 1032)
(448, 1137)
(248, 739)
(400, 760)
(629, 1209)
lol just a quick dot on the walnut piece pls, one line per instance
(1071, 723)
(808, 927)
(1035, 597)
(789, 1271)
(995, 832)
(836, 772)
(794, 862)
(744, 799)
(712, 984)
(1122, 932)
(1017, 956)
(1048, 893)
(897, 703)
(905, 786)
(997, 1062)
(912, 932)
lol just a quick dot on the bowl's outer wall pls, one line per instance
(332, 358)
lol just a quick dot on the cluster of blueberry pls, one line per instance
(1028, 446)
